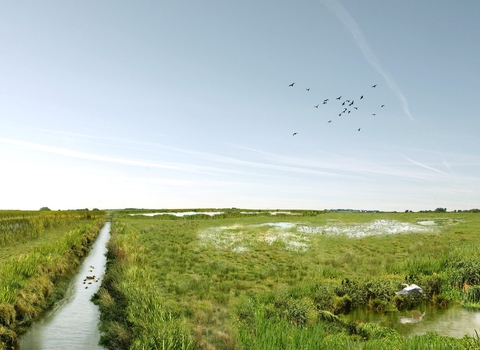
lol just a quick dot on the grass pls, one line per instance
(35, 268)
(232, 282)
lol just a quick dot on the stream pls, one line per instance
(73, 322)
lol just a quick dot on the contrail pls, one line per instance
(351, 24)
(423, 165)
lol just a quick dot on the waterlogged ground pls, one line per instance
(297, 236)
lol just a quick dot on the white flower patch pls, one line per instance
(377, 227)
(241, 238)
(296, 237)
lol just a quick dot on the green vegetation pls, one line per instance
(244, 281)
(38, 253)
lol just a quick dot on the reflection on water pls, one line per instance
(73, 323)
(417, 316)
(454, 321)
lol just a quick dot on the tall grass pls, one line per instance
(145, 320)
(191, 283)
(18, 226)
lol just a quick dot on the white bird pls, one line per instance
(410, 289)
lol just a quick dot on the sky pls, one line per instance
(187, 104)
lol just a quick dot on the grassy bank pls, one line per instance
(279, 281)
(34, 269)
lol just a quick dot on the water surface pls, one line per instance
(453, 322)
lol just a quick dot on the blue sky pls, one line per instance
(187, 104)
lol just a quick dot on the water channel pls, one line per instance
(73, 322)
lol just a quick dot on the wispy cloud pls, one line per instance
(423, 165)
(96, 157)
(340, 11)
(349, 166)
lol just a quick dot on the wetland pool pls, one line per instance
(454, 321)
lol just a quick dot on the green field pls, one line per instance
(39, 252)
(263, 281)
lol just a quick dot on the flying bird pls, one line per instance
(329, 121)
(308, 89)
(324, 102)
(292, 84)
(294, 134)
(410, 289)
(373, 114)
(359, 129)
(338, 98)
(316, 106)
(361, 97)
(374, 86)
(355, 107)
(382, 106)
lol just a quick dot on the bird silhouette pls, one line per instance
(329, 121)
(373, 114)
(343, 104)
(294, 134)
(316, 106)
(374, 86)
(359, 129)
(308, 89)
(361, 97)
(351, 103)
(324, 102)
(292, 84)
(355, 107)
(382, 106)
(338, 98)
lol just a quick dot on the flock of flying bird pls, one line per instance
(348, 105)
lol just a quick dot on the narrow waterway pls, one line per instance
(73, 322)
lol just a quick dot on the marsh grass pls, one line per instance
(236, 283)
